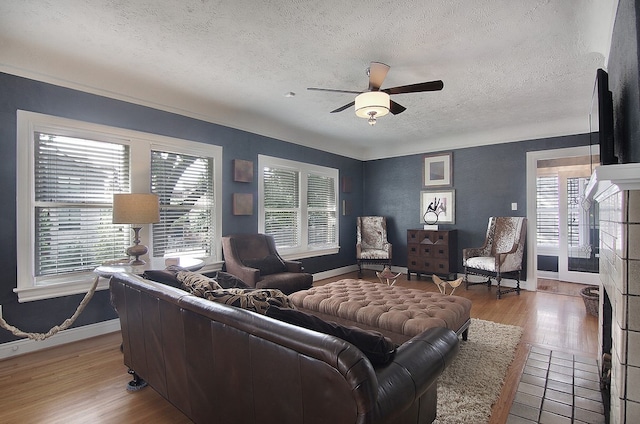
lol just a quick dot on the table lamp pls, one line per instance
(136, 209)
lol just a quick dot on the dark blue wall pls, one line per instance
(486, 181)
(20, 93)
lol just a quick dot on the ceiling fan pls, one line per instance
(375, 102)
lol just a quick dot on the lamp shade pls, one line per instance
(372, 101)
(135, 208)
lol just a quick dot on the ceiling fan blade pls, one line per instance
(377, 74)
(332, 90)
(347, 106)
(415, 88)
(395, 108)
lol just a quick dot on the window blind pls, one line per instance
(74, 183)
(282, 205)
(321, 207)
(185, 188)
(548, 215)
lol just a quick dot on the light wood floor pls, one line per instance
(85, 381)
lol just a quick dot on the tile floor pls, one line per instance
(557, 387)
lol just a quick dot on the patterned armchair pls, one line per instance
(372, 246)
(501, 256)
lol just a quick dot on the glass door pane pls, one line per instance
(582, 229)
(578, 253)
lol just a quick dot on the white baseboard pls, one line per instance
(334, 272)
(549, 275)
(396, 269)
(352, 268)
(20, 347)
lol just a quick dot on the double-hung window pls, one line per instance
(298, 206)
(185, 189)
(68, 172)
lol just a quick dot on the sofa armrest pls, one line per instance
(416, 366)
(293, 266)
(249, 275)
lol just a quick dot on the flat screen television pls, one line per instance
(601, 119)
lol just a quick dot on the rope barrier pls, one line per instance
(65, 324)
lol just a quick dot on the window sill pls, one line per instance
(48, 291)
(309, 253)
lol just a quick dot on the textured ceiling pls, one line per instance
(512, 69)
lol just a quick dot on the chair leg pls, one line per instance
(467, 283)
(509, 290)
(137, 383)
(359, 270)
(466, 279)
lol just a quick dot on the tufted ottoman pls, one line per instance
(397, 312)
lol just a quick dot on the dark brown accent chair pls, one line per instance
(254, 259)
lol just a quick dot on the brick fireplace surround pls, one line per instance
(616, 188)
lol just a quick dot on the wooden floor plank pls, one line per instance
(85, 381)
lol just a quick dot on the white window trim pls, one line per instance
(304, 251)
(29, 287)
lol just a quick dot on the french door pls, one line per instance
(578, 255)
(565, 227)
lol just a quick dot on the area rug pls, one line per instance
(472, 383)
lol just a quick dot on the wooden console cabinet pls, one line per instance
(432, 252)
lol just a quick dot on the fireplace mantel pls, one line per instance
(608, 179)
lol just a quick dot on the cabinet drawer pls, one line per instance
(440, 266)
(440, 251)
(426, 265)
(440, 237)
(414, 263)
(429, 265)
(426, 250)
(413, 249)
(413, 236)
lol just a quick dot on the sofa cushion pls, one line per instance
(256, 300)
(270, 264)
(196, 284)
(164, 276)
(226, 280)
(375, 346)
(168, 276)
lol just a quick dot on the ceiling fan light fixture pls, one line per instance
(372, 104)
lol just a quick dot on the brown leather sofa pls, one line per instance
(254, 259)
(222, 364)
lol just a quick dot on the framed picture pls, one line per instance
(438, 207)
(243, 203)
(346, 184)
(437, 170)
(242, 171)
